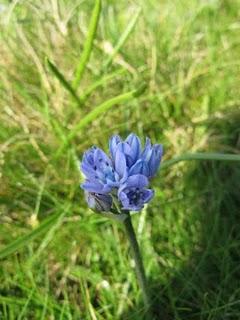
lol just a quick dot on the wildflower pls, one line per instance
(133, 193)
(120, 183)
(123, 176)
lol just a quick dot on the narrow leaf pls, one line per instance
(123, 37)
(102, 81)
(24, 240)
(88, 45)
(95, 113)
(63, 81)
(200, 156)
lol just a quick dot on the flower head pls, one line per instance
(125, 174)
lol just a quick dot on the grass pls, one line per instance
(78, 267)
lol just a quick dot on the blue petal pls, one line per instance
(120, 162)
(113, 143)
(93, 186)
(88, 157)
(124, 199)
(126, 149)
(112, 184)
(135, 144)
(101, 159)
(137, 181)
(88, 170)
(147, 151)
(106, 189)
(129, 153)
(125, 203)
(147, 195)
(155, 159)
(122, 188)
(140, 167)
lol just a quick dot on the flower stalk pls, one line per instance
(139, 267)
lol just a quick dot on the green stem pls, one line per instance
(140, 272)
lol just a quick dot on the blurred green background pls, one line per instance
(187, 53)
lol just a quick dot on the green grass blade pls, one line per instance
(96, 112)
(88, 43)
(200, 156)
(24, 240)
(63, 81)
(12, 300)
(23, 312)
(123, 37)
(102, 81)
(103, 107)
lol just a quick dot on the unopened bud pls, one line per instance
(98, 202)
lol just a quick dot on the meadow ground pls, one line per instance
(58, 259)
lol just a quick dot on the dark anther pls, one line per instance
(95, 168)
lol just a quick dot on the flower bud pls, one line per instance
(98, 202)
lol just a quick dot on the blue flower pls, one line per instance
(98, 202)
(99, 172)
(149, 160)
(131, 148)
(131, 159)
(123, 176)
(133, 193)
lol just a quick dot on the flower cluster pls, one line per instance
(123, 178)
